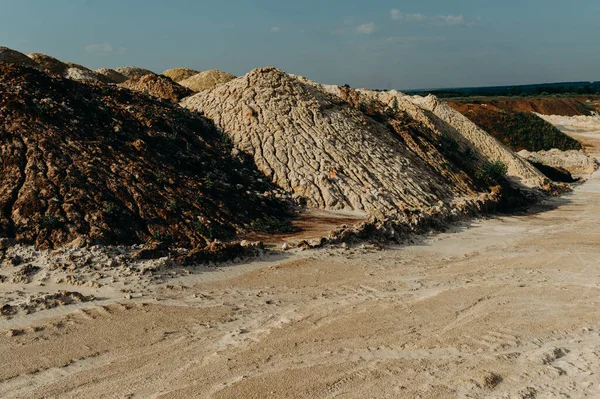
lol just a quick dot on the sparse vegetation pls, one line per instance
(492, 172)
(272, 225)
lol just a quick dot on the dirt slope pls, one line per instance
(49, 63)
(448, 126)
(104, 163)
(14, 57)
(462, 129)
(157, 86)
(516, 129)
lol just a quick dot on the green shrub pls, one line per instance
(272, 225)
(492, 171)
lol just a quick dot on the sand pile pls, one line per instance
(179, 74)
(206, 80)
(131, 71)
(158, 86)
(461, 129)
(111, 75)
(14, 57)
(576, 162)
(103, 164)
(49, 64)
(314, 144)
(448, 126)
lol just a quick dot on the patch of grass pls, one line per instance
(492, 172)
(272, 225)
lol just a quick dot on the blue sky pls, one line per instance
(378, 44)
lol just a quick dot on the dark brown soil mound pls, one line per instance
(516, 129)
(158, 86)
(14, 57)
(104, 163)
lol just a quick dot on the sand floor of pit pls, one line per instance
(507, 307)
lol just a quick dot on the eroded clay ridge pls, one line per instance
(437, 117)
(112, 166)
(317, 146)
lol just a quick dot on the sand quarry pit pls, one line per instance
(506, 307)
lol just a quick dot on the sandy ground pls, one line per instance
(507, 307)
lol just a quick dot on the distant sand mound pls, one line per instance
(158, 86)
(206, 80)
(314, 144)
(14, 57)
(111, 75)
(133, 71)
(49, 63)
(179, 74)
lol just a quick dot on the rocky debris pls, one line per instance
(575, 162)
(179, 74)
(27, 304)
(157, 86)
(317, 146)
(14, 57)
(218, 252)
(81, 75)
(49, 64)
(206, 80)
(461, 129)
(105, 164)
(517, 130)
(131, 71)
(111, 75)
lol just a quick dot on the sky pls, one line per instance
(395, 44)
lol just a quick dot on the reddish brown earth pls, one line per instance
(569, 106)
(105, 164)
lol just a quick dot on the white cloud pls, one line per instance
(276, 29)
(450, 20)
(103, 49)
(366, 29)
